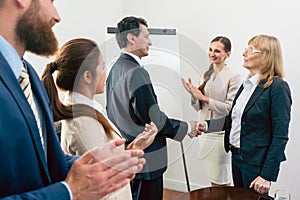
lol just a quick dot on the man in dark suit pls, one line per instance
(33, 165)
(131, 103)
(256, 129)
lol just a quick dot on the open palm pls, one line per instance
(144, 139)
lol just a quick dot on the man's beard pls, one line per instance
(36, 34)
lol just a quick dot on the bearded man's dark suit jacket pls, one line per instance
(131, 103)
(264, 127)
(26, 173)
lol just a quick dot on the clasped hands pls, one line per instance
(197, 128)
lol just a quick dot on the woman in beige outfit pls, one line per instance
(214, 97)
(80, 72)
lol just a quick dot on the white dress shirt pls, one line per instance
(238, 109)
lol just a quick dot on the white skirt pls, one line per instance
(217, 162)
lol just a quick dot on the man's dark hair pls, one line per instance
(128, 25)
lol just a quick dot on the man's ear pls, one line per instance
(87, 76)
(131, 38)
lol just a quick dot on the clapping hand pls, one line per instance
(194, 91)
(103, 170)
(198, 94)
(144, 139)
(187, 85)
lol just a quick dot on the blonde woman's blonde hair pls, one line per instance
(271, 63)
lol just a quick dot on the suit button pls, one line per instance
(243, 123)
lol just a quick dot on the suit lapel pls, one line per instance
(257, 92)
(12, 84)
(41, 98)
(237, 94)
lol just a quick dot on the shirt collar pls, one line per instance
(77, 98)
(11, 56)
(138, 60)
(253, 80)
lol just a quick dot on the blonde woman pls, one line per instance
(257, 127)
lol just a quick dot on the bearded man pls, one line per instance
(33, 165)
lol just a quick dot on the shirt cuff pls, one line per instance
(189, 128)
(68, 188)
(206, 126)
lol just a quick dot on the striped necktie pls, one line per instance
(26, 87)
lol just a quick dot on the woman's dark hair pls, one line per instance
(72, 60)
(227, 47)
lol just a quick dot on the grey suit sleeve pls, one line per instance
(215, 125)
(146, 109)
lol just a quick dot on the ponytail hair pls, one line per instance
(206, 76)
(60, 111)
(68, 63)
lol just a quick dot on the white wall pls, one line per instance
(87, 19)
(239, 20)
(198, 21)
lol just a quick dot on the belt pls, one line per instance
(234, 149)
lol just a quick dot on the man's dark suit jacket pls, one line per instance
(131, 103)
(23, 164)
(264, 127)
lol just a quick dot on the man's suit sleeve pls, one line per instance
(145, 107)
(55, 191)
(70, 160)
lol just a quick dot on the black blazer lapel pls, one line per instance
(257, 92)
(228, 120)
(237, 94)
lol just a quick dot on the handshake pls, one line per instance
(197, 128)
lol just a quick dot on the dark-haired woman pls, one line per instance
(213, 97)
(80, 73)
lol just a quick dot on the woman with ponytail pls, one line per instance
(80, 72)
(213, 97)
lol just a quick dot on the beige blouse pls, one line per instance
(83, 133)
(221, 90)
